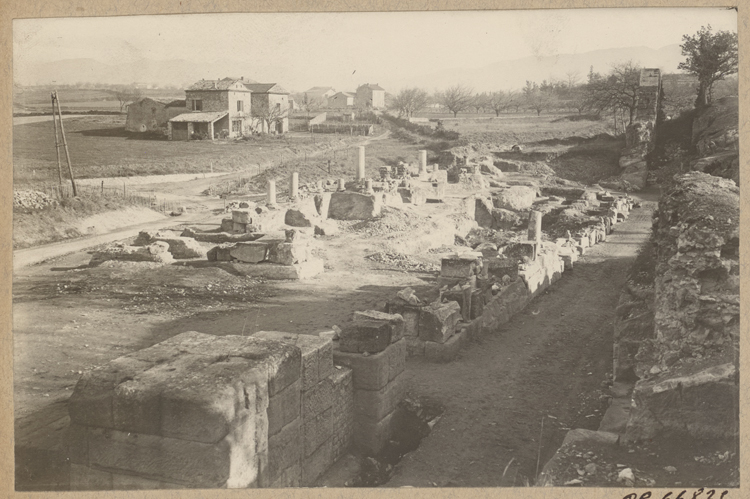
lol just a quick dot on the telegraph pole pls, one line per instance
(57, 145)
(65, 144)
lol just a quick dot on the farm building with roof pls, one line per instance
(231, 107)
(150, 115)
(370, 96)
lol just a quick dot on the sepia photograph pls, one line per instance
(424, 249)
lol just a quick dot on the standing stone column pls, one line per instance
(271, 193)
(535, 227)
(294, 186)
(342, 184)
(368, 186)
(423, 161)
(361, 164)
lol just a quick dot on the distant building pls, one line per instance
(216, 108)
(270, 107)
(230, 107)
(341, 100)
(150, 115)
(370, 96)
(319, 95)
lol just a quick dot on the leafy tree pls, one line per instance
(710, 57)
(409, 101)
(456, 99)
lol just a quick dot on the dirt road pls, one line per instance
(546, 364)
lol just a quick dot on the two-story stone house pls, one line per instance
(231, 107)
(370, 96)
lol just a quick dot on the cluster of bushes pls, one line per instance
(425, 130)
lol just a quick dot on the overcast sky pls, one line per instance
(331, 46)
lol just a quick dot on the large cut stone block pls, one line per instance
(410, 313)
(316, 352)
(288, 253)
(177, 389)
(227, 463)
(317, 399)
(395, 320)
(342, 410)
(704, 405)
(316, 430)
(316, 464)
(250, 252)
(284, 450)
(437, 322)
(377, 404)
(301, 216)
(373, 372)
(353, 206)
(220, 254)
(366, 336)
(284, 407)
(461, 266)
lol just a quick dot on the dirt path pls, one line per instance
(547, 363)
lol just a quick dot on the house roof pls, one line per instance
(223, 84)
(265, 88)
(347, 94)
(177, 103)
(372, 86)
(199, 117)
(318, 90)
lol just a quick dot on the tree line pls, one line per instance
(710, 57)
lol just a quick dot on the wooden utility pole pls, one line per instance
(57, 145)
(65, 144)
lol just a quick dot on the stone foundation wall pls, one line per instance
(201, 411)
(688, 369)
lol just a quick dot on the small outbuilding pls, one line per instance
(150, 115)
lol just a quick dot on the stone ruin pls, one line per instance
(482, 288)
(270, 410)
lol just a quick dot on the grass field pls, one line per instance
(100, 147)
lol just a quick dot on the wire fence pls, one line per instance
(137, 198)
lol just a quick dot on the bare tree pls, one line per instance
(572, 78)
(409, 101)
(309, 104)
(268, 115)
(499, 101)
(456, 99)
(126, 95)
(537, 99)
(618, 91)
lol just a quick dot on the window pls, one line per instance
(197, 105)
(278, 106)
(236, 126)
(239, 106)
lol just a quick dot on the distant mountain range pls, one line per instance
(497, 75)
(513, 74)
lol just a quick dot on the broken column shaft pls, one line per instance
(361, 163)
(294, 186)
(423, 161)
(271, 193)
(535, 226)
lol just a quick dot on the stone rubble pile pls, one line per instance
(32, 200)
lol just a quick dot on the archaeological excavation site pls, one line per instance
(531, 307)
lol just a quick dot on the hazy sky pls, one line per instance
(334, 45)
